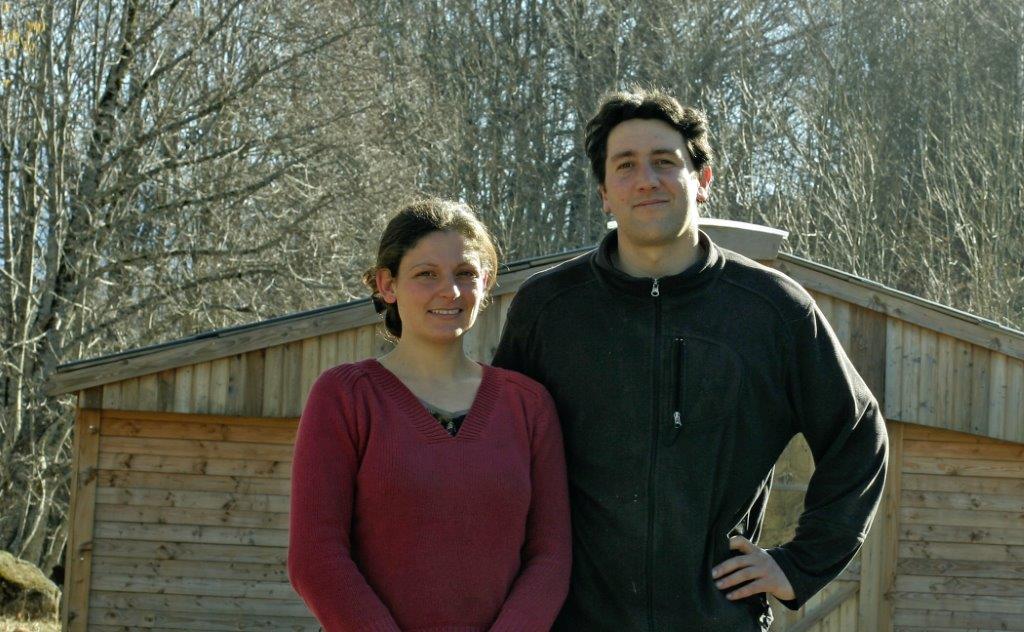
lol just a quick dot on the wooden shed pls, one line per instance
(182, 456)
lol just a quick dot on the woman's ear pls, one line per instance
(386, 285)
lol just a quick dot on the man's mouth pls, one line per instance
(649, 203)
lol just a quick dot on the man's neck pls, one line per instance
(656, 261)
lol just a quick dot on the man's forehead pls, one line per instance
(646, 136)
(626, 153)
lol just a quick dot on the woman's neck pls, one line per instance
(424, 362)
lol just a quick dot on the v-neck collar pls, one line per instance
(476, 418)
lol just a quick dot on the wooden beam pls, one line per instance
(881, 549)
(77, 582)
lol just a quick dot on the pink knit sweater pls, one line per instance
(395, 525)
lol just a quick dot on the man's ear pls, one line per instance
(604, 198)
(704, 184)
(386, 285)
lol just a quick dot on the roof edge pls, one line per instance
(899, 304)
(752, 240)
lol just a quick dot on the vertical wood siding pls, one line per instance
(939, 381)
(273, 382)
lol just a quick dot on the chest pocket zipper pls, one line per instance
(678, 369)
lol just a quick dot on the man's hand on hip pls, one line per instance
(754, 566)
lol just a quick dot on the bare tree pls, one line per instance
(171, 167)
(158, 176)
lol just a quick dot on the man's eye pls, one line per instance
(624, 165)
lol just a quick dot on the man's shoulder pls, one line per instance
(765, 286)
(521, 385)
(556, 281)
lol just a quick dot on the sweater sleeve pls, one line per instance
(843, 426)
(537, 593)
(320, 564)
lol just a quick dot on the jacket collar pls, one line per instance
(698, 276)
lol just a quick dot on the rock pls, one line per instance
(25, 592)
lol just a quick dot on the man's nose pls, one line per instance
(648, 177)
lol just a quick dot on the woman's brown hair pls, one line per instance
(414, 222)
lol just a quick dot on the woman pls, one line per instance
(429, 491)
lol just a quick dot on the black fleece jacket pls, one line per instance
(676, 398)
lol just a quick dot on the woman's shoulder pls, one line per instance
(521, 385)
(347, 376)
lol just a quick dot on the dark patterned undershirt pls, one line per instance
(450, 421)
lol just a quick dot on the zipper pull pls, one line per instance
(655, 292)
(677, 419)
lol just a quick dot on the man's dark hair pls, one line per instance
(642, 103)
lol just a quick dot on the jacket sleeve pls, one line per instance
(537, 594)
(843, 426)
(320, 564)
(514, 350)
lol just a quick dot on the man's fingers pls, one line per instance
(732, 564)
(740, 576)
(739, 543)
(753, 588)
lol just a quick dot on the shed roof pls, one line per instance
(755, 241)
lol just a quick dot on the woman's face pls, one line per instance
(439, 287)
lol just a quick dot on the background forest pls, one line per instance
(171, 167)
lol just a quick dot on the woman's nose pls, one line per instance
(451, 288)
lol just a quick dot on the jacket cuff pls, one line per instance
(801, 591)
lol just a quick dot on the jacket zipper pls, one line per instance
(649, 562)
(678, 367)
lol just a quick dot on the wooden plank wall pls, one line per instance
(273, 382)
(937, 380)
(75, 600)
(834, 609)
(919, 376)
(191, 524)
(961, 540)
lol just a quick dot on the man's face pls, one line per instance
(650, 185)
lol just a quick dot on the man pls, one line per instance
(681, 371)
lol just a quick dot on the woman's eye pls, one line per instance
(469, 273)
(425, 273)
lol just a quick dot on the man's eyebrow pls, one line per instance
(629, 153)
(622, 154)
